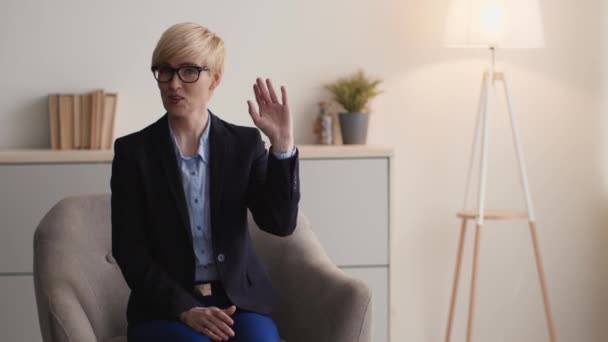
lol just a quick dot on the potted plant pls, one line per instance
(353, 93)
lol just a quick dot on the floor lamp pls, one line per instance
(494, 24)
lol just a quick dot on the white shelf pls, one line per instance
(42, 156)
(343, 151)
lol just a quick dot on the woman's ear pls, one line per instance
(216, 80)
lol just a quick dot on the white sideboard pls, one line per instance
(345, 193)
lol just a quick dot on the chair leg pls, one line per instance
(463, 231)
(543, 284)
(473, 284)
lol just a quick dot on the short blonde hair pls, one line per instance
(191, 41)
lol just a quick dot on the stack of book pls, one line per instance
(83, 121)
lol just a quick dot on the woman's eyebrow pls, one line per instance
(179, 65)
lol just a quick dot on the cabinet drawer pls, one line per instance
(377, 279)
(346, 201)
(18, 312)
(28, 193)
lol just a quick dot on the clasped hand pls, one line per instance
(210, 321)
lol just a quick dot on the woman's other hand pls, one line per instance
(210, 321)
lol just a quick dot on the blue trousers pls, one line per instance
(248, 327)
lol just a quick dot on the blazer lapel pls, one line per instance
(218, 148)
(169, 162)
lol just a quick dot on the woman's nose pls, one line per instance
(175, 82)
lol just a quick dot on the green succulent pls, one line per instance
(354, 92)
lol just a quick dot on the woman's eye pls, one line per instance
(190, 71)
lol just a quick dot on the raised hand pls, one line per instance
(273, 117)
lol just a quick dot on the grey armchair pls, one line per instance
(82, 296)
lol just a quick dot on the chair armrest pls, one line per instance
(68, 321)
(61, 315)
(319, 301)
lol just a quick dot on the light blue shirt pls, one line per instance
(195, 181)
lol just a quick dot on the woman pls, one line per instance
(181, 188)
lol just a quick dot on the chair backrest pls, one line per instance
(80, 291)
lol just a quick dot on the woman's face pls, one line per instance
(183, 99)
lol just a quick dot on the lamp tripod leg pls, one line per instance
(481, 108)
(543, 284)
(483, 166)
(479, 130)
(473, 284)
(531, 218)
(463, 231)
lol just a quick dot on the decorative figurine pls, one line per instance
(323, 127)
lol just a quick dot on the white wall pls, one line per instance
(427, 112)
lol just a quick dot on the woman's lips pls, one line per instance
(174, 99)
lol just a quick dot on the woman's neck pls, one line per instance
(188, 130)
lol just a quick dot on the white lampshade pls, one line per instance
(497, 23)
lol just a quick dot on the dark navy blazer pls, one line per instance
(151, 237)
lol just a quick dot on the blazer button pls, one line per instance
(221, 257)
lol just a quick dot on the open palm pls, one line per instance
(273, 117)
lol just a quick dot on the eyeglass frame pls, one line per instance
(175, 71)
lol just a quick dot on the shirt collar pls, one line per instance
(203, 146)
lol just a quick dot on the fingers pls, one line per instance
(284, 96)
(263, 90)
(230, 311)
(201, 324)
(214, 323)
(255, 116)
(208, 332)
(223, 321)
(258, 94)
(219, 328)
(222, 316)
(266, 93)
(273, 95)
(268, 103)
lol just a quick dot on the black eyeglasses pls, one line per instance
(186, 73)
